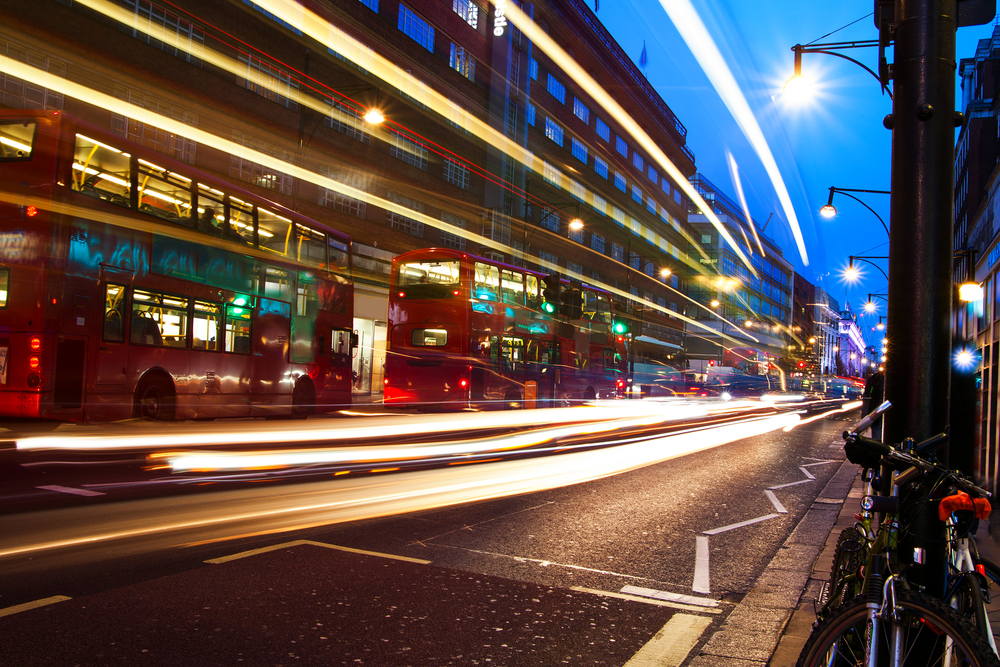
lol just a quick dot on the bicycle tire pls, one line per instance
(848, 557)
(927, 624)
(991, 593)
(968, 600)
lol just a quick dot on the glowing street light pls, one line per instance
(665, 273)
(715, 303)
(576, 224)
(375, 116)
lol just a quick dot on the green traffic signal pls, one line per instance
(619, 327)
(548, 307)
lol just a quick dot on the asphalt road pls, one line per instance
(695, 531)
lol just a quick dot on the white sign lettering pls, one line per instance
(499, 20)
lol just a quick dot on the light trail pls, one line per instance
(225, 515)
(687, 21)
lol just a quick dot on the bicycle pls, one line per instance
(889, 623)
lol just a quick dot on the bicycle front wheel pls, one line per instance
(924, 631)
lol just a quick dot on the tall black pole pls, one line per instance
(918, 369)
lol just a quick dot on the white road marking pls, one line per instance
(818, 463)
(35, 604)
(285, 545)
(672, 597)
(700, 584)
(670, 646)
(807, 473)
(781, 486)
(734, 526)
(68, 489)
(778, 507)
(645, 600)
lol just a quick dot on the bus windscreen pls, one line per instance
(429, 280)
(16, 140)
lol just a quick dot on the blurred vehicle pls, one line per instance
(469, 332)
(133, 285)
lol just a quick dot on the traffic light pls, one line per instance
(802, 364)
(619, 327)
(572, 303)
(551, 294)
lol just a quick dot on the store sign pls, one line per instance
(499, 20)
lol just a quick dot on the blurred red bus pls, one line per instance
(466, 331)
(132, 285)
(747, 360)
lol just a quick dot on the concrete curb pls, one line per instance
(757, 631)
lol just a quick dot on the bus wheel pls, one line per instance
(303, 400)
(512, 401)
(154, 400)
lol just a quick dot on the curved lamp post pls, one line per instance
(852, 274)
(829, 210)
(830, 49)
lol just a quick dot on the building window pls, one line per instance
(258, 174)
(269, 81)
(651, 205)
(452, 240)
(600, 204)
(653, 176)
(553, 131)
(600, 166)
(576, 190)
(549, 219)
(621, 146)
(581, 111)
(618, 252)
(579, 150)
(637, 161)
(152, 20)
(551, 174)
(573, 267)
(636, 193)
(706, 239)
(533, 69)
(271, 16)
(161, 141)
(401, 222)
(619, 216)
(371, 4)
(456, 173)
(342, 202)
(408, 150)
(468, 10)
(576, 235)
(417, 29)
(556, 89)
(530, 112)
(347, 120)
(597, 243)
(462, 62)
(665, 186)
(620, 181)
(602, 130)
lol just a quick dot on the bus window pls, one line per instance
(274, 232)
(531, 292)
(101, 171)
(429, 338)
(486, 282)
(310, 247)
(512, 285)
(495, 352)
(513, 354)
(114, 314)
(590, 306)
(159, 319)
(164, 194)
(211, 215)
(340, 347)
(339, 260)
(16, 141)
(240, 221)
(277, 284)
(206, 326)
(604, 310)
(238, 329)
(428, 280)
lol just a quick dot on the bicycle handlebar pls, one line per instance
(870, 418)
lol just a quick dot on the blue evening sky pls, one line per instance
(837, 139)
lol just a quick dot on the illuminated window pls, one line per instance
(579, 150)
(371, 4)
(348, 120)
(531, 114)
(577, 190)
(342, 202)
(619, 216)
(653, 176)
(553, 131)
(150, 136)
(462, 62)
(533, 69)
(637, 161)
(600, 204)
(602, 130)
(556, 88)
(651, 205)
(549, 219)
(618, 252)
(274, 18)
(551, 174)
(597, 242)
(621, 146)
(269, 81)
(408, 150)
(600, 166)
(415, 28)
(452, 240)
(468, 10)
(581, 110)
(456, 173)
(636, 193)
(187, 40)
(401, 222)
(258, 174)
(620, 181)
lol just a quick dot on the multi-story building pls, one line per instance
(803, 348)
(489, 145)
(755, 307)
(826, 330)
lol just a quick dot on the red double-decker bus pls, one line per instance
(132, 285)
(466, 331)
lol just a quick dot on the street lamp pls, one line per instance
(970, 290)
(852, 273)
(797, 82)
(575, 224)
(829, 210)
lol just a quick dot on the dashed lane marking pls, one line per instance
(69, 489)
(285, 545)
(734, 526)
(670, 646)
(778, 507)
(701, 580)
(647, 600)
(782, 486)
(35, 604)
(807, 473)
(671, 597)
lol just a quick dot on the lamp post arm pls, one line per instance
(848, 194)
(826, 48)
(865, 259)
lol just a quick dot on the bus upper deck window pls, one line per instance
(4, 286)
(163, 193)
(487, 282)
(532, 299)
(512, 286)
(16, 140)
(102, 171)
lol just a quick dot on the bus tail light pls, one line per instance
(31, 211)
(34, 380)
(402, 295)
(463, 383)
(35, 343)
(34, 363)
